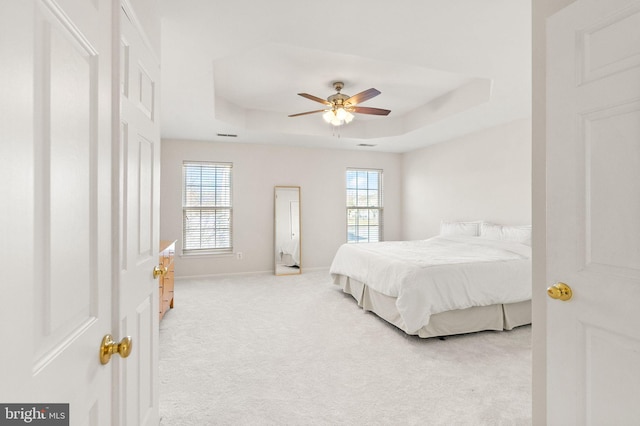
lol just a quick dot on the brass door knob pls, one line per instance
(560, 291)
(159, 271)
(110, 347)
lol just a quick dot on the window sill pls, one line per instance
(207, 254)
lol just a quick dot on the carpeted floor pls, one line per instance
(295, 350)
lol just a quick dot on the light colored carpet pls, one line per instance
(295, 350)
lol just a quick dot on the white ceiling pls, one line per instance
(445, 68)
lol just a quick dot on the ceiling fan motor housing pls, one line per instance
(338, 99)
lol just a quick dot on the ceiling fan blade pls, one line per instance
(314, 98)
(368, 110)
(363, 96)
(308, 112)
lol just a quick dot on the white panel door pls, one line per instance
(55, 124)
(593, 213)
(139, 202)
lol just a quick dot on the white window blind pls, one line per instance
(364, 205)
(207, 210)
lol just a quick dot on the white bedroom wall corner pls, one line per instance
(485, 175)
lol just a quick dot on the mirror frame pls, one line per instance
(279, 268)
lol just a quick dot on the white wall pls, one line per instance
(482, 176)
(256, 170)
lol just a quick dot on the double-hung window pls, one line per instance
(364, 205)
(207, 210)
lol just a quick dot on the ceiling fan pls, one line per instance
(341, 106)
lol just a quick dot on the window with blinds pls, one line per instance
(364, 205)
(207, 210)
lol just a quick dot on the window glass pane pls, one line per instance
(373, 198)
(207, 197)
(352, 215)
(352, 197)
(362, 180)
(373, 217)
(362, 198)
(363, 234)
(373, 180)
(352, 179)
(223, 198)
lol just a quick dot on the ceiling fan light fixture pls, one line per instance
(338, 116)
(348, 117)
(341, 114)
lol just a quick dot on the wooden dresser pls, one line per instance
(167, 254)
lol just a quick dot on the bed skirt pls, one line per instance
(478, 318)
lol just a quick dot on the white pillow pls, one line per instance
(518, 234)
(491, 231)
(460, 228)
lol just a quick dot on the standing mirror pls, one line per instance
(287, 230)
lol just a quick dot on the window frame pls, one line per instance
(213, 209)
(379, 208)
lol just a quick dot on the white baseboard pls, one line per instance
(230, 274)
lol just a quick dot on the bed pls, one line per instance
(474, 276)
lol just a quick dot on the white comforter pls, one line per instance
(439, 274)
